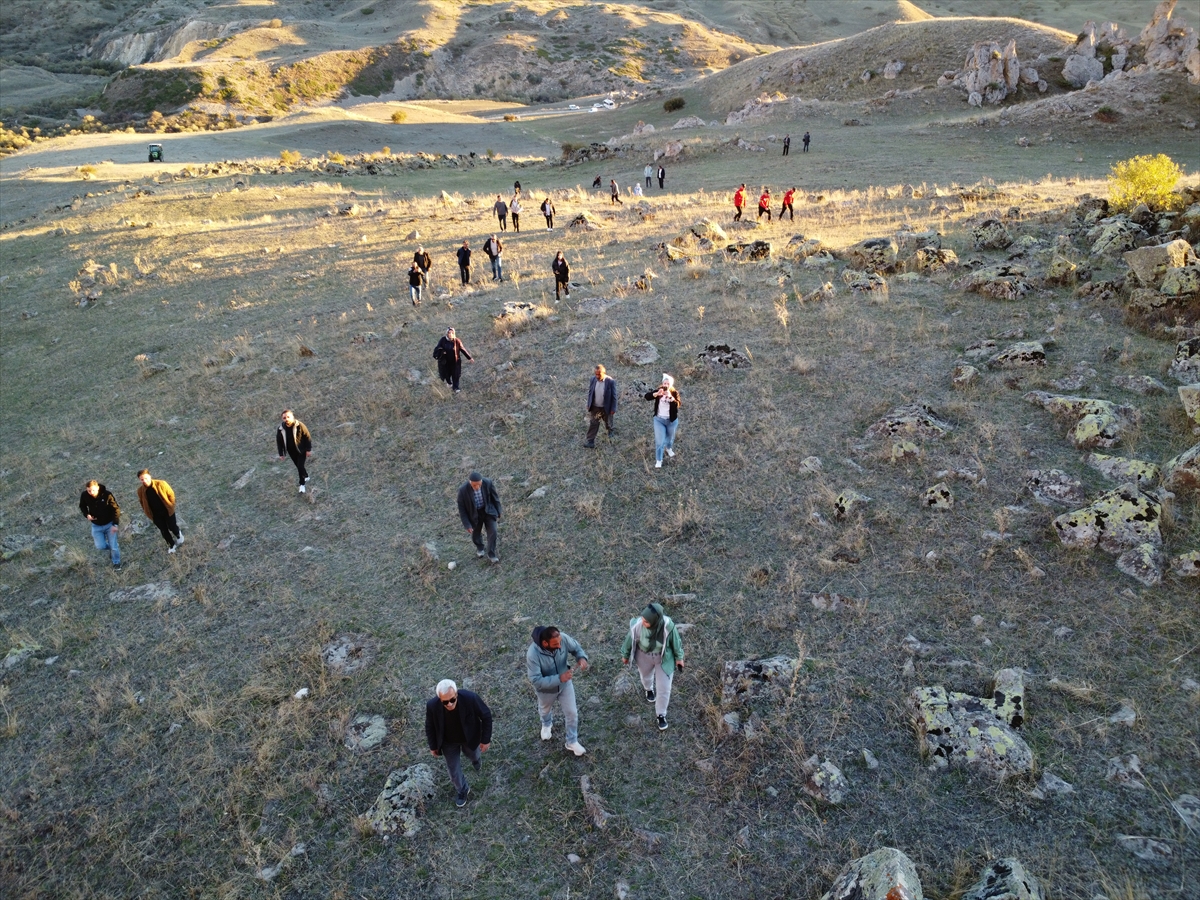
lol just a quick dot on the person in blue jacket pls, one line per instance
(550, 673)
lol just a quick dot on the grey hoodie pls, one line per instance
(544, 666)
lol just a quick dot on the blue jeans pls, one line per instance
(497, 268)
(414, 291)
(105, 537)
(452, 754)
(566, 699)
(664, 436)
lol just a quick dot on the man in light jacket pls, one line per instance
(550, 673)
(601, 405)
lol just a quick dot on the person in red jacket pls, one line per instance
(764, 203)
(787, 205)
(739, 200)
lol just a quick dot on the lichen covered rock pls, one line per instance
(1150, 264)
(751, 679)
(1186, 565)
(1005, 879)
(1002, 282)
(1181, 281)
(959, 729)
(824, 781)
(848, 503)
(1115, 522)
(1098, 423)
(991, 234)
(1054, 487)
(886, 874)
(403, 797)
(938, 497)
(1022, 355)
(935, 259)
(1185, 367)
(1143, 563)
(1122, 470)
(963, 377)
(1182, 473)
(911, 420)
(873, 254)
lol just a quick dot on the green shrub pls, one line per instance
(290, 157)
(399, 116)
(674, 104)
(335, 157)
(1143, 179)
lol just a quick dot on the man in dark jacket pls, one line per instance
(464, 262)
(424, 262)
(458, 722)
(494, 248)
(100, 508)
(479, 508)
(662, 176)
(449, 353)
(601, 405)
(158, 503)
(293, 438)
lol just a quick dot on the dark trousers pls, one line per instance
(465, 272)
(450, 372)
(169, 528)
(503, 223)
(660, 182)
(786, 148)
(549, 220)
(787, 207)
(561, 286)
(764, 209)
(616, 198)
(598, 415)
(806, 146)
(516, 222)
(453, 753)
(298, 459)
(486, 523)
(737, 215)
(647, 181)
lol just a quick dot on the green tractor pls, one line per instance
(156, 153)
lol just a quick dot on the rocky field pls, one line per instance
(931, 533)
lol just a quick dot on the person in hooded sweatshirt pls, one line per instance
(550, 674)
(100, 508)
(654, 645)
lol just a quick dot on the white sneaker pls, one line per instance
(670, 452)
(171, 549)
(179, 540)
(547, 730)
(302, 489)
(576, 748)
(658, 464)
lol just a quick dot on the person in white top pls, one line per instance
(666, 418)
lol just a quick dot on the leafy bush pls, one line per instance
(334, 157)
(674, 104)
(399, 116)
(1106, 114)
(275, 23)
(1143, 179)
(569, 148)
(289, 157)
(386, 151)
(509, 117)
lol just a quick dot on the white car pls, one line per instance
(609, 104)
(572, 106)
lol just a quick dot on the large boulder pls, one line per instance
(990, 71)
(1185, 367)
(991, 234)
(910, 420)
(404, 795)
(1166, 44)
(886, 874)
(1022, 355)
(873, 254)
(1181, 280)
(1123, 471)
(1006, 281)
(754, 250)
(752, 679)
(1054, 487)
(1182, 473)
(960, 729)
(1005, 879)
(801, 247)
(1080, 69)
(1150, 264)
(1189, 396)
(1115, 522)
(935, 259)
(1114, 235)
(1097, 423)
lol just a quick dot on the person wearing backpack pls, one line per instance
(656, 650)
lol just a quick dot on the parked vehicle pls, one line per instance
(156, 153)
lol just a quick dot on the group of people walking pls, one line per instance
(458, 722)
(764, 203)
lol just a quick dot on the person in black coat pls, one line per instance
(424, 262)
(479, 509)
(415, 279)
(548, 212)
(292, 438)
(464, 262)
(458, 722)
(562, 275)
(99, 507)
(449, 353)
(662, 176)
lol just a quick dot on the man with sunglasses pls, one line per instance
(458, 722)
